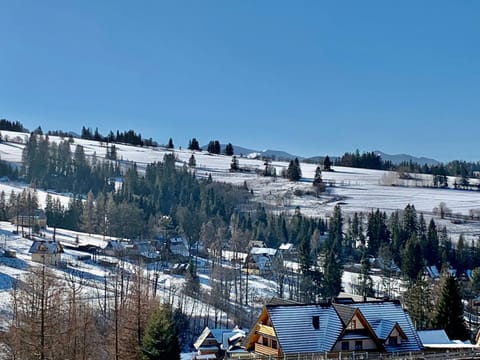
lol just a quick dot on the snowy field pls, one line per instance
(356, 190)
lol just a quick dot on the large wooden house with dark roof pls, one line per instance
(377, 326)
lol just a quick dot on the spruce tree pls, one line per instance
(365, 280)
(234, 166)
(160, 340)
(293, 171)
(192, 162)
(327, 164)
(449, 310)
(418, 301)
(332, 275)
(229, 149)
(193, 145)
(318, 183)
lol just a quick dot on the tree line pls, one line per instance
(126, 137)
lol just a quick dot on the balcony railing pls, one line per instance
(265, 350)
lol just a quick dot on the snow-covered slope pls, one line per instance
(355, 189)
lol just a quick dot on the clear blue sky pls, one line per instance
(307, 77)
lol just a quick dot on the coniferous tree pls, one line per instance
(335, 231)
(318, 183)
(411, 260)
(160, 340)
(332, 275)
(211, 147)
(431, 251)
(419, 304)
(234, 166)
(449, 310)
(193, 145)
(229, 149)
(192, 162)
(170, 144)
(327, 164)
(365, 280)
(88, 214)
(294, 172)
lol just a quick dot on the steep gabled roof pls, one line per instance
(382, 315)
(294, 329)
(45, 247)
(345, 313)
(383, 328)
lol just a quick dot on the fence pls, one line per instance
(451, 355)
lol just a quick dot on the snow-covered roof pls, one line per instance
(45, 247)
(383, 328)
(294, 330)
(286, 247)
(115, 245)
(225, 338)
(430, 337)
(263, 251)
(433, 272)
(377, 311)
(438, 339)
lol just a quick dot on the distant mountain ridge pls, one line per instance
(399, 158)
(396, 159)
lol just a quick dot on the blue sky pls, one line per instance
(307, 77)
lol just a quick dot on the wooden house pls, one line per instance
(32, 218)
(219, 343)
(259, 260)
(46, 252)
(115, 248)
(377, 326)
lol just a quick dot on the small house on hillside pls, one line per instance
(259, 260)
(31, 218)
(432, 272)
(288, 250)
(141, 250)
(219, 343)
(256, 243)
(115, 248)
(46, 252)
(179, 246)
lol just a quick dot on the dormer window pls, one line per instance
(393, 340)
(316, 322)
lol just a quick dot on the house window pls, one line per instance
(358, 345)
(265, 341)
(353, 324)
(392, 340)
(316, 322)
(274, 344)
(345, 346)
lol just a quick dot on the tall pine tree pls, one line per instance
(449, 310)
(160, 340)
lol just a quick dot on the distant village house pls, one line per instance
(46, 252)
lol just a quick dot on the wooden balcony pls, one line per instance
(265, 350)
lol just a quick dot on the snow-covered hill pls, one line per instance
(354, 189)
